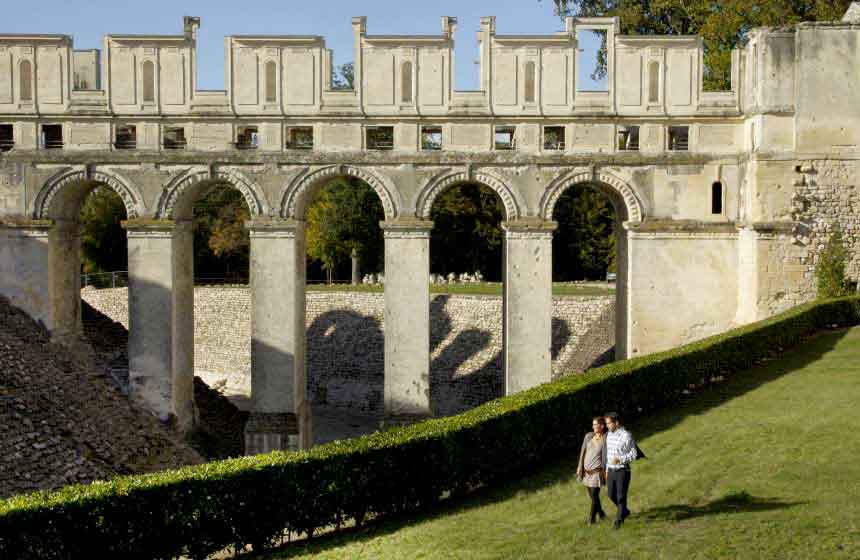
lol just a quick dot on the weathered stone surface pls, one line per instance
(346, 337)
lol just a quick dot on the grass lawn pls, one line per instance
(765, 465)
(481, 289)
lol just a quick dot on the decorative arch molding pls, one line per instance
(635, 210)
(178, 187)
(438, 184)
(130, 194)
(294, 198)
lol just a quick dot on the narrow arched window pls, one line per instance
(148, 81)
(271, 82)
(654, 82)
(530, 82)
(26, 76)
(406, 82)
(717, 198)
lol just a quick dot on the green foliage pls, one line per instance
(201, 509)
(343, 216)
(721, 23)
(466, 235)
(830, 270)
(103, 243)
(221, 242)
(584, 244)
(344, 77)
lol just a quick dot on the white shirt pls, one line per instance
(620, 445)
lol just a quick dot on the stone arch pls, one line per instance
(47, 197)
(438, 184)
(295, 197)
(179, 187)
(634, 210)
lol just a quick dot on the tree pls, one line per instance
(103, 242)
(344, 77)
(345, 215)
(466, 234)
(830, 270)
(221, 242)
(585, 239)
(723, 24)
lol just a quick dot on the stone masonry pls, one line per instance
(346, 340)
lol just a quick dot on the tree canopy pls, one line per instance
(723, 24)
(103, 241)
(221, 242)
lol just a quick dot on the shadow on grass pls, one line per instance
(561, 470)
(735, 502)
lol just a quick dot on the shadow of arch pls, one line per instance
(296, 196)
(346, 361)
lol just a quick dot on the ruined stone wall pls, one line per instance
(826, 198)
(346, 343)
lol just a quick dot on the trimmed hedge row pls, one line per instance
(197, 510)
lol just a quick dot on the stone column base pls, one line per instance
(271, 431)
(392, 420)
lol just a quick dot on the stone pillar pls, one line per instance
(527, 304)
(280, 413)
(407, 321)
(161, 319)
(356, 273)
(64, 277)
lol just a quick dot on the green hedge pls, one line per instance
(252, 500)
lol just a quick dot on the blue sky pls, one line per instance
(88, 20)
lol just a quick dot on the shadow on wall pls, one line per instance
(346, 361)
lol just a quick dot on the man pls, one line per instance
(621, 450)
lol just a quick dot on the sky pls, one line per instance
(89, 20)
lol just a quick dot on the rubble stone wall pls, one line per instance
(346, 343)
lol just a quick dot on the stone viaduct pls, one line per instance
(724, 198)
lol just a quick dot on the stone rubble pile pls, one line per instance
(62, 421)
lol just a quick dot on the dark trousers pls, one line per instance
(617, 484)
(596, 507)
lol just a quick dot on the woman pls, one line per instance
(591, 470)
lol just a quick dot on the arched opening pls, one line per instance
(271, 82)
(654, 82)
(148, 82)
(25, 82)
(466, 308)
(589, 276)
(345, 307)
(87, 266)
(406, 82)
(717, 198)
(530, 82)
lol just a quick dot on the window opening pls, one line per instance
(7, 140)
(628, 139)
(148, 81)
(300, 138)
(592, 71)
(530, 82)
(247, 138)
(654, 82)
(380, 137)
(52, 136)
(271, 82)
(504, 138)
(717, 198)
(126, 137)
(26, 79)
(406, 82)
(553, 138)
(174, 138)
(431, 138)
(679, 138)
